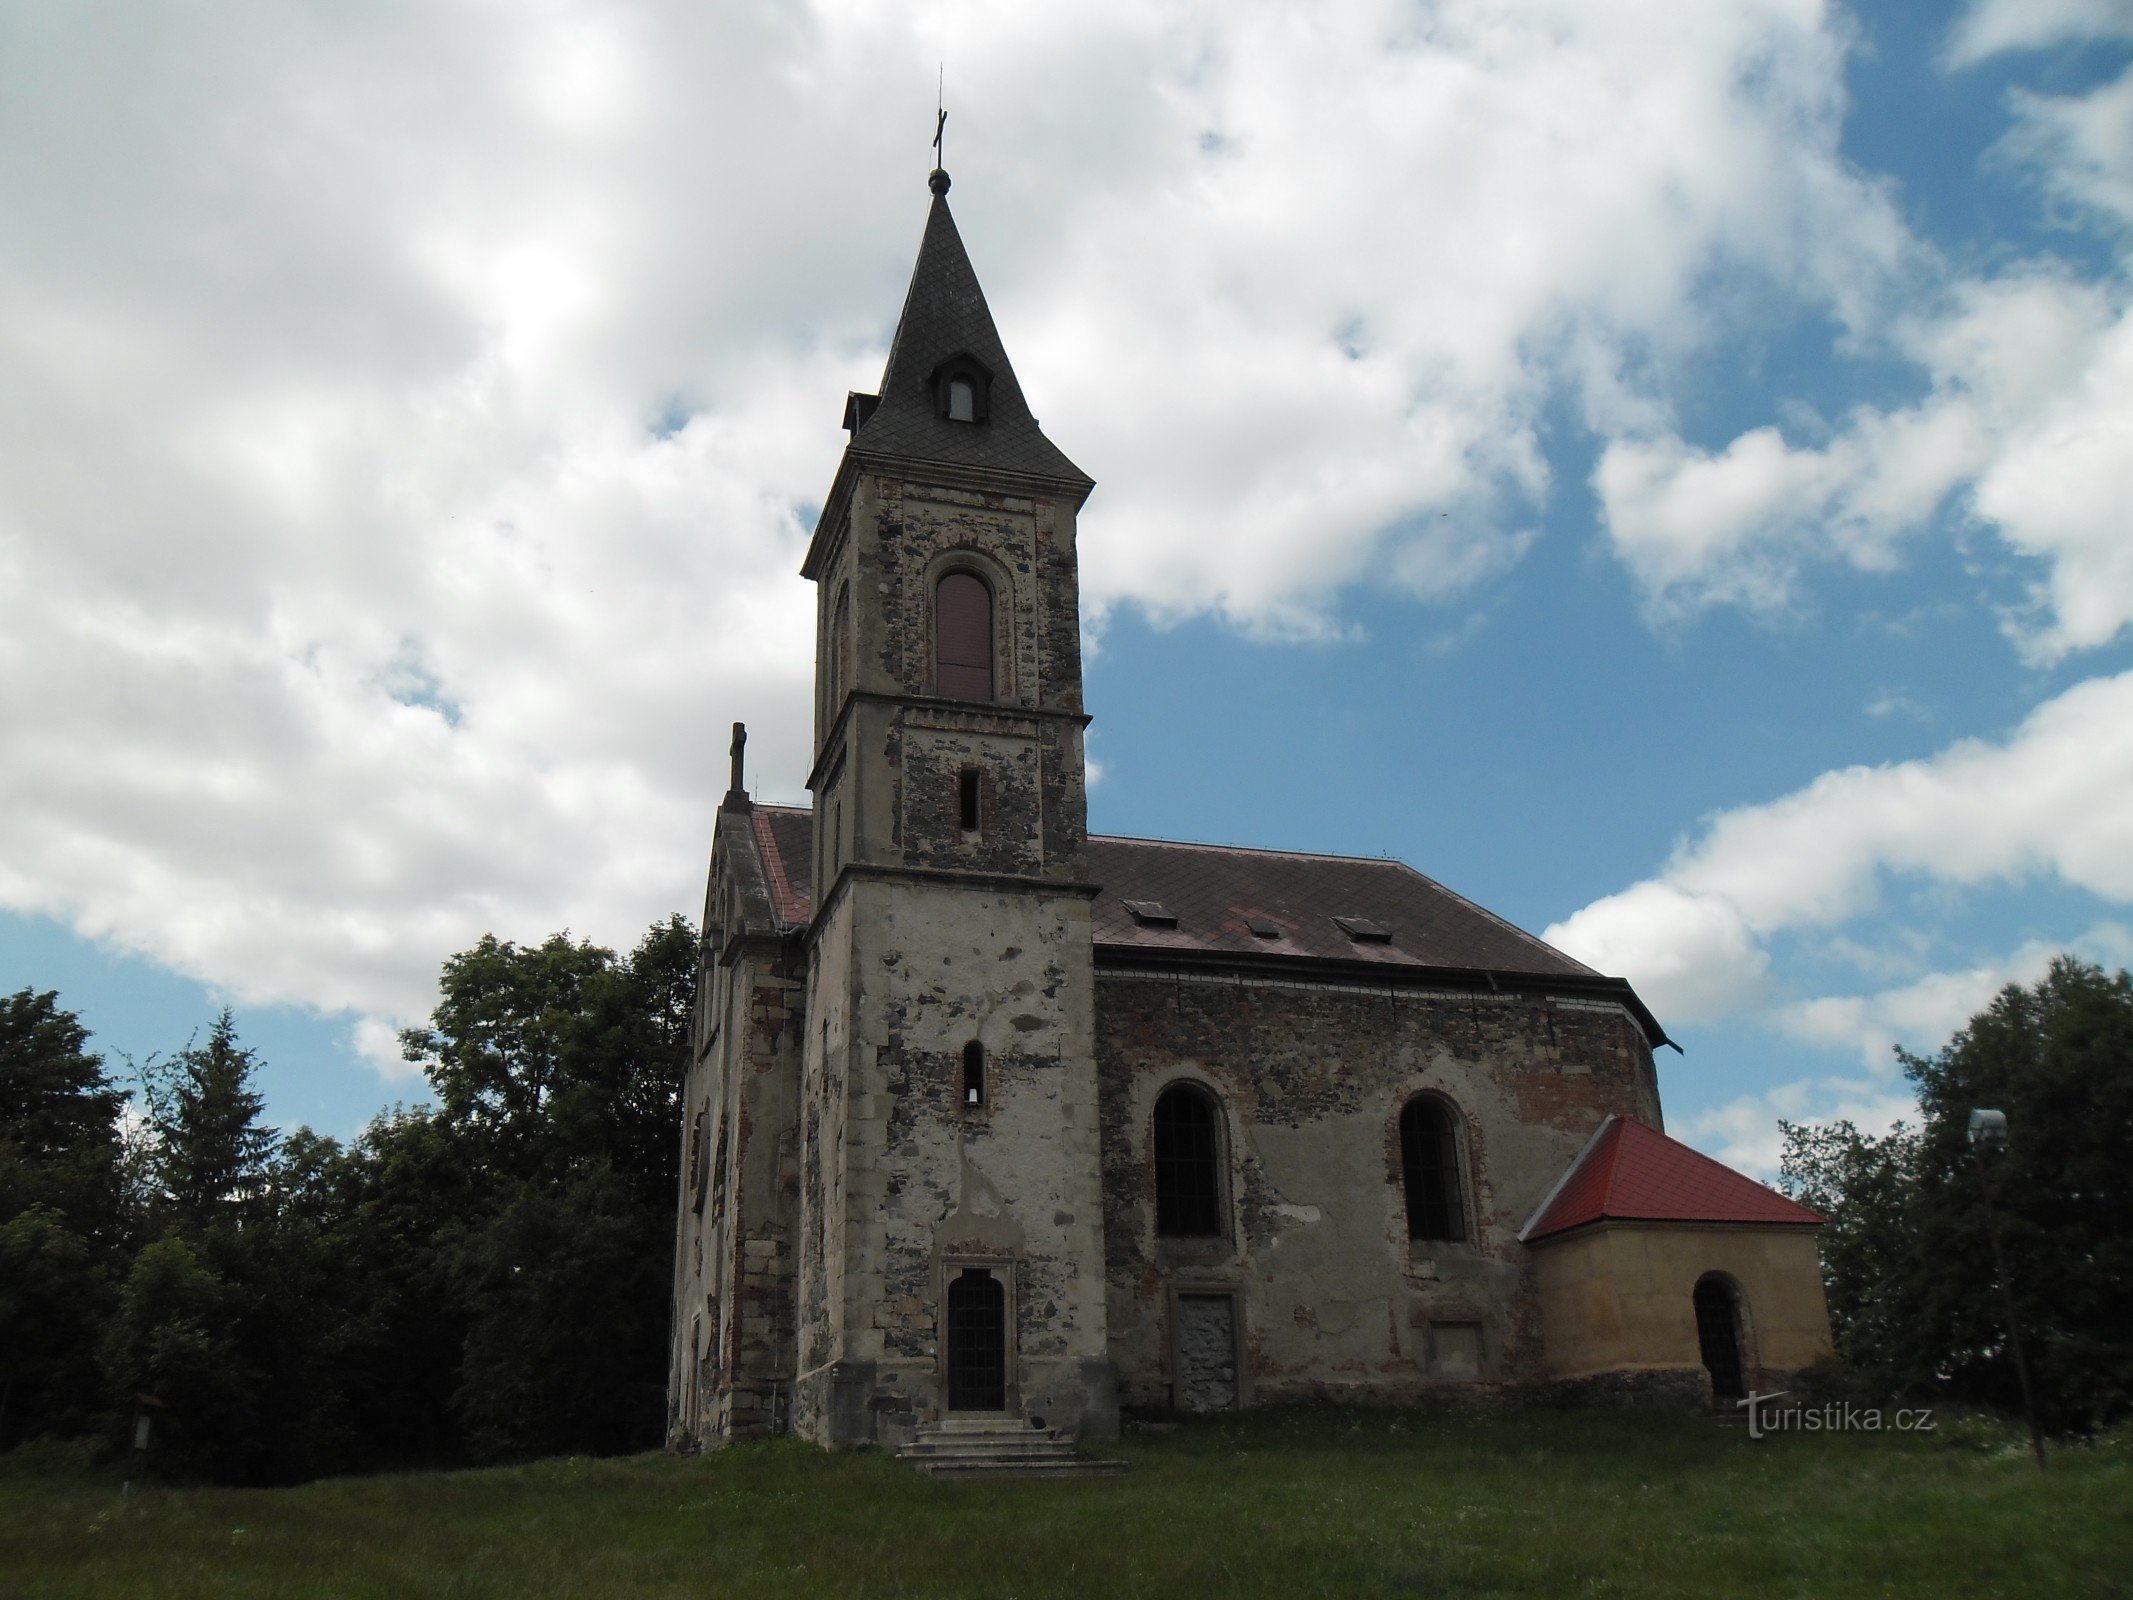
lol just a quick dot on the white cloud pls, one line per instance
(2026, 421)
(2047, 802)
(1743, 1133)
(411, 418)
(1923, 1015)
(1990, 27)
(2030, 414)
(2081, 146)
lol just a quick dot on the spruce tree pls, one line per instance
(212, 1155)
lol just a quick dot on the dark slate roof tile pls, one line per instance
(1216, 892)
(945, 315)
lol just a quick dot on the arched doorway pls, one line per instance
(1718, 1337)
(977, 1341)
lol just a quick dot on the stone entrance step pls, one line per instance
(999, 1447)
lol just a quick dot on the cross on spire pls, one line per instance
(937, 179)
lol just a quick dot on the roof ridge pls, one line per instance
(1563, 1179)
(1252, 850)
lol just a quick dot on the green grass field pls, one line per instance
(1289, 1503)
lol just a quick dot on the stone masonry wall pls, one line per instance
(733, 1322)
(1333, 1297)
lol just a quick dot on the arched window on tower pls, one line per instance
(1188, 1164)
(962, 638)
(1429, 1170)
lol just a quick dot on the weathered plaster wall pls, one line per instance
(1616, 1297)
(1333, 1295)
(929, 1185)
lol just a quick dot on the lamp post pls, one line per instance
(1988, 1131)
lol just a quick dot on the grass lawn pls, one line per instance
(1285, 1502)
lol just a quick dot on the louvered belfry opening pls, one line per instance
(1188, 1165)
(1718, 1338)
(977, 1341)
(1429, 1170)
(962, 638)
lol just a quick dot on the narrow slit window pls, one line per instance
(1429, 1170)
(1188, 1165)
(970, 800)
(973, 1074)
(962, 638)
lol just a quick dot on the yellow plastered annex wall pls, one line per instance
(1616, 1296)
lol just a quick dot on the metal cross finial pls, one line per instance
(937, 179)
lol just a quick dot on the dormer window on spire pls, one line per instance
(961, 386)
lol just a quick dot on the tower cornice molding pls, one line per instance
(942, 877)
(832, 751)
(857, 463)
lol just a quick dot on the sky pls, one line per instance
(1661, 470)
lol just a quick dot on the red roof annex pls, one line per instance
(1636, 1174)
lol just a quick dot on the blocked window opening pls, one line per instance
(1206, 1335)
(962, 638)
(1455, 1351)
(1429, 1170)
(1188, 1164)
(970, 805)
(973, 1074)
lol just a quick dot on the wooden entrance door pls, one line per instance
(1718, 1338)
(977, 1341)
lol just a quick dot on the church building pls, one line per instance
(992, 1118)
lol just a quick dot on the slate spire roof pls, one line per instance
(1631, 1173)
(944, 316)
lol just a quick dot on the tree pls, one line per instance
(59, 1137)
(566, 1338)
(63, 1216)
(1913, 1298)
(53, 1294)
(548, 1057)
(211, 1153)
(558, 1070)
(175, 1339)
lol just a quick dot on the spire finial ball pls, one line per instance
(937, 181)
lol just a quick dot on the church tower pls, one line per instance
(951, 1248)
